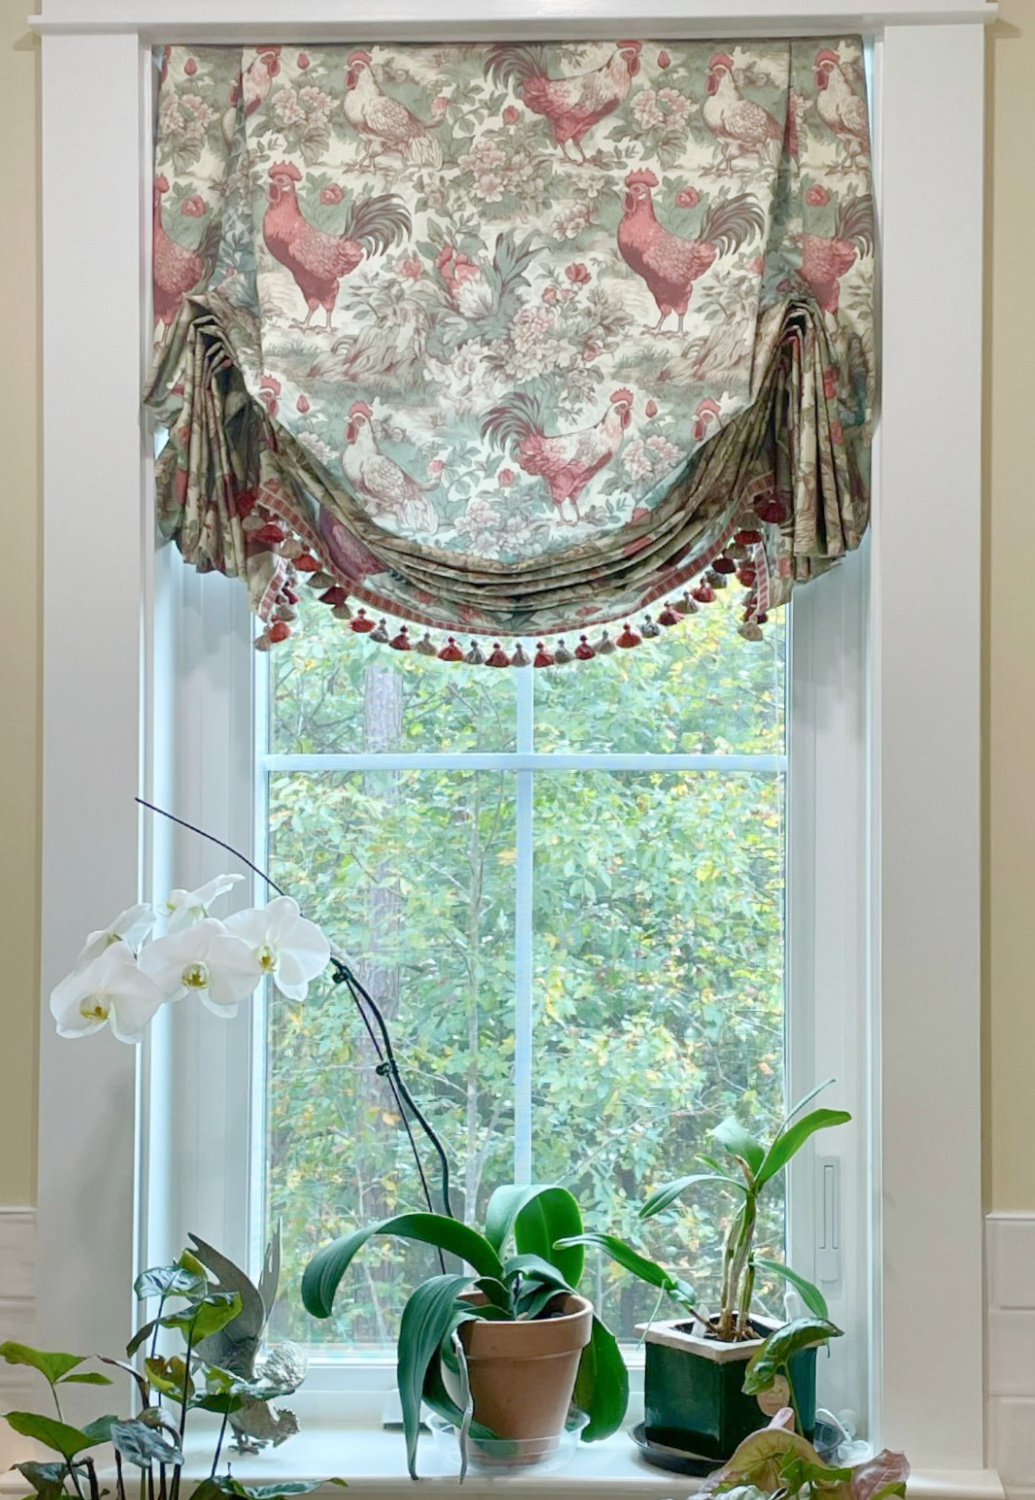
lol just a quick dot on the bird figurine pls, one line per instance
(239, 1348)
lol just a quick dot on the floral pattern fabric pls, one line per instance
(514, 339)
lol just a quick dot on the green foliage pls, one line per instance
(775, 1355)
(55, 1368)
(775, 1461)
(536, 1218)
(59, 1436)
(657, 955)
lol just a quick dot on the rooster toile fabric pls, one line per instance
(514, 340)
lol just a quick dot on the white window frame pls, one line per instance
(922, 959)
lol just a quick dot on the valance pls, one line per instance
(514, 340)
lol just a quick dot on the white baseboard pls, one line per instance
(17, 1319)
(1010, 1304)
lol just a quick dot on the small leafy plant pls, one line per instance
(521, 1285)
(778, 1462)
(758, 1165)
(169, 1387)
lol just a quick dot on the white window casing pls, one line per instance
(896, 718)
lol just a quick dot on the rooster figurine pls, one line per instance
(573, 105)
(840, 108)
(317, 260)
(389, 490)
(668, 263)
(386, 123)
(741, 127)
(238, 1348)
(568, 461)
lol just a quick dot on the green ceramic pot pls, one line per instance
(693, 1396)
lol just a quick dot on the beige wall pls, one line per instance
(19, 605)
(1010, 512)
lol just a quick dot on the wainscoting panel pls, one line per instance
(1011, 1350)
(17, 1320)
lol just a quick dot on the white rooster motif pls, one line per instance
(841, 109)
(384, 484)
(741, 127)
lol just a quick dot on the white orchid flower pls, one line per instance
(130, 927)
(203, 960)
(111, 990)
(287, 947)
(185, 908)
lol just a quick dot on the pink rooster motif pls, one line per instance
(316, 260)
(390, 492)
(825, 259)
(567, 461)
(741, 127)
(668, 263)
(573, 105)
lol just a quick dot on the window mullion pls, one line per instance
(523, 936)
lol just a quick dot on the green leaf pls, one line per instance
(202, 1319)
(631, 1260)
(780, 1348)
(805, 1099)
(63, 1439)
(602, 1384)
(281, 1491)
(760, 1460)
(732, 1137)
(429, 1317)
(324, 1272)
(791, 1141)
(87, 1377)
(130, 1369)
(547, 1215)
(99, 1431)
(171, 1281)
(48, 1480)
(140, 1337)
(143, 1445)
(167, 1375)
(662, 1197)
(811, 1295)
(54, 1367)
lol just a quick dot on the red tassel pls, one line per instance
(542, 657)
(584, 651)
(743, 538)
(668, 616)
(628, 638)
(773, 512)
(361, 623)
(400, 642)
(334, 596)
(724, 565)
(497, 656)
(450, 651)
(307, 563)
(703, 593)
(747, 576)
(244, 503)
(279, 631)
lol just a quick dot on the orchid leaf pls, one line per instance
(324, 1272)
(791, 1141)
(811, 1295)
(429, 1318)
(740, 1143)
(647, 1270)
(537, 1216)
(663, 1197)
(602, 1384)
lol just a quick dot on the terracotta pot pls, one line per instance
(522, 1374)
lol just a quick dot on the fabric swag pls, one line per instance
(514, 340)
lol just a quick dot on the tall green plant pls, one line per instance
(543, 1225)
(758, 1166)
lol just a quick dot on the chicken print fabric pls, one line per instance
(514, 339)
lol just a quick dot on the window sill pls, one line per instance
(374, 1463)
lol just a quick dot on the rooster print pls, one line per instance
(573, 105)
(670, 264)
(567, 461)
(316, 260)
(497, 296)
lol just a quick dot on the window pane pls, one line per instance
(333, 691)
(698, 689)
(658, 1002)
(412, 875)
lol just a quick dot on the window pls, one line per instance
(566, 889)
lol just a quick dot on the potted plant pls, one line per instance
(779, 1462)
(499, 1350)
(712, 1380)
(203, 1312)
